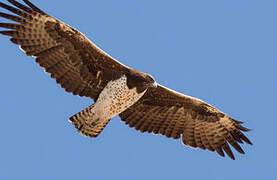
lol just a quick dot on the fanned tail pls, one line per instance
(87, 123)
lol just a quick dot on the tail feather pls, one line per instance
(86, 124)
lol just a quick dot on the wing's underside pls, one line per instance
(78, 65)
(81, 68)
(166, 112)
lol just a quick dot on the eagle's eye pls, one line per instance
(150, 79)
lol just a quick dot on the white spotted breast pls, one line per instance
(115, 98)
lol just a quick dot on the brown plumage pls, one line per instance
(83, 69)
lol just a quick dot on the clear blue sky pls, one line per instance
(222, 51)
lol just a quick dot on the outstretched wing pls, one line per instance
(164, 111)
(78, 65)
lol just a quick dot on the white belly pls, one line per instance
(115, 98)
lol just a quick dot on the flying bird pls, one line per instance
(81, 68)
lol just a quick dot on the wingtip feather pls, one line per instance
(21, 6)
(7, 33)
(228, 150)
(220, 152)
(35, 8)
(12, 17)
(14, 10)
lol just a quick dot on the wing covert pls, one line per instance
(77, 64)
(166, 112)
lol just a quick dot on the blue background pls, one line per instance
(221, 51)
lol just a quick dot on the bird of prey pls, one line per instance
(81, 68)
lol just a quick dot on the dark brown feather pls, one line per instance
(14, 10)
(220, 152)
(12, 26)
(34, 7)
(228, 150)
(78, 65)
(172, 114)
(21, 6)
(8, 33)
(81, 68)
(11, 17)
(82, 122)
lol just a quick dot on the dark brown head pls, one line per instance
(140, 80)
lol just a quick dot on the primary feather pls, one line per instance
(83, 69)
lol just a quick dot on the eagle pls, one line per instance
(83, 69)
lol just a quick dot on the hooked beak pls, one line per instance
(155, 85)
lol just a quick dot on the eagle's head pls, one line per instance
(150, 81)
(140, 80)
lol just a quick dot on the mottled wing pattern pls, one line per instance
(164, 111)
(78, 65)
